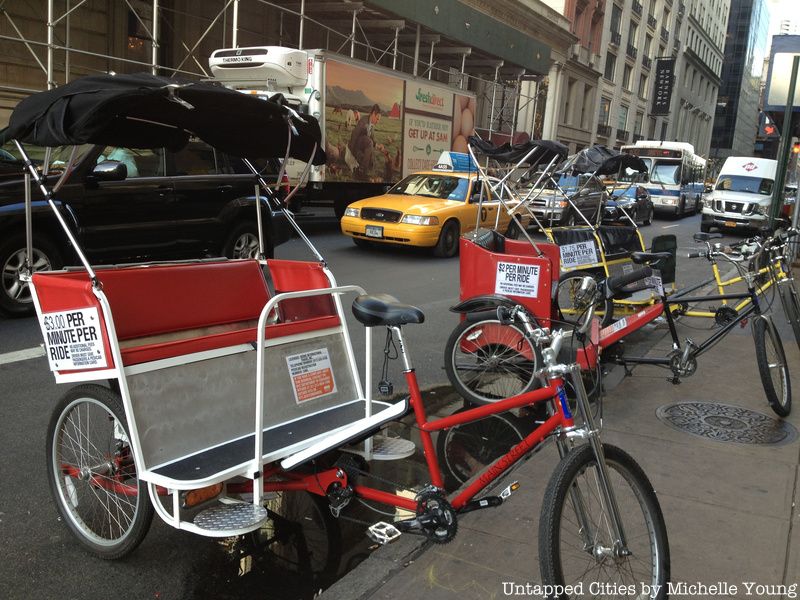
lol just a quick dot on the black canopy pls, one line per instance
(602, 160)
(546, 150)
(147, 111)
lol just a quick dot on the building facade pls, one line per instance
(737, 116)
(635, 35)
(573, 78)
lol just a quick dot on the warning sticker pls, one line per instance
(312, 375)
(515, 279)
(616, 326)
(578, 254)
(73, 339)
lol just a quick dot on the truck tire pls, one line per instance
(15, 296)
(242, 242)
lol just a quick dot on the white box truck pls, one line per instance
(378, 125)
(742, 194)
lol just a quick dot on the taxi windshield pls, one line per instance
(446, 187)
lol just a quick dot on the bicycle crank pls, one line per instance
(682, 364)
(436, 518)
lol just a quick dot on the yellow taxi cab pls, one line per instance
(430, 209)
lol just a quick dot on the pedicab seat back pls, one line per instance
(493, 264)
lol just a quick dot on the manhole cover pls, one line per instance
(725, 423)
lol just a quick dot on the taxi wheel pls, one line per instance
(447, 246)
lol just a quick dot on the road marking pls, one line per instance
(20, 355)
(670, 226)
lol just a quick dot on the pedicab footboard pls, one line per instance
(187, 343)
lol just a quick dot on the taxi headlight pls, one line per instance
(419, 220)
(350, 212)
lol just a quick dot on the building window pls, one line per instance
(637, 125)
(648, 41)
(605, 111)
(652, 128)
(626, 77)
(632, 31)
(616, 18)
(622, 117)
(611, 65)
(643, 87)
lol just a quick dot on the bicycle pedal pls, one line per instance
(383, 533)
(506, 493)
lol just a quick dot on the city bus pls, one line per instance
(676, 175)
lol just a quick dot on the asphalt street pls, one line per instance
(38, 557)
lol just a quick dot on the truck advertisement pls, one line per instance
(381, 127)
(378, 125)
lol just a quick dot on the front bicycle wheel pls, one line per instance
(791, 305)
(92, 473)
(566, 299)
(466, 449)
(576, 543)
(772, 366)
(487, 361)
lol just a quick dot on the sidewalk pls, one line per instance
(730, 508)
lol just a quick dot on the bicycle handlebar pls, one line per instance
(698, 254)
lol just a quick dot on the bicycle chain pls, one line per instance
(351, 467)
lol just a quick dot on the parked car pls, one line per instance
(127, 205)
(429, 209)
(586, 193)
(10, 166)
(634, 200)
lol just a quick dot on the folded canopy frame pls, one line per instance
(148, 111)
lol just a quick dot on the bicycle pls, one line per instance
(473, 358)
(773, 271)
(224, 390)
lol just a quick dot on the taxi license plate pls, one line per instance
(374, 231)
(727, 224)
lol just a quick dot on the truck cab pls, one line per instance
(742, 195)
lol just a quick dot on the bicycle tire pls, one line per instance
(791, 305)
(558, 526)
(487, 361)
(771, 360)
(88, 433)
(466, 449)
(565, 296)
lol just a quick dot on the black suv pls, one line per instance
(127, 205)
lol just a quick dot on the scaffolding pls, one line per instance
(345, 27)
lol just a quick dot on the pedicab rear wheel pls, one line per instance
(92, 474)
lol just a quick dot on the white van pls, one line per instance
(742, 195)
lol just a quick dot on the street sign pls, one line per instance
(662, 92)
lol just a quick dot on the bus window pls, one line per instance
(666, 172)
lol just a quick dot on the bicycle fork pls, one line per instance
(606, 491)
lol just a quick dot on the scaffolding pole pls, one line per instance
(50, 35)
(154, 54)
(235, 25)
(416, 48)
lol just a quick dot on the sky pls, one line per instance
(779, 10)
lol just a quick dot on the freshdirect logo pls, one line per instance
(749, 167)
(429, 98)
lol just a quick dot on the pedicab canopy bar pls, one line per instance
(147, 111)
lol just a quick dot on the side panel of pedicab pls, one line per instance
(187, 336)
